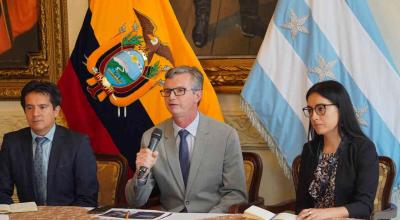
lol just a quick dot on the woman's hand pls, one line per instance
(313, 213)
(323, 213)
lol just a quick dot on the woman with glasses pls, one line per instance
(339, 164)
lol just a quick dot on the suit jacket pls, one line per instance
(216, 177)
(356, 177)
(71, 175)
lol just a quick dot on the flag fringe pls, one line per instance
(396, 197)
(251, 114)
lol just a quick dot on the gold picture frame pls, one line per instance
(49, 62)
(227, 74)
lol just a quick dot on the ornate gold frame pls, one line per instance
(47, 64)
(227, 74)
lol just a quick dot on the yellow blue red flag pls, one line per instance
(110, 87)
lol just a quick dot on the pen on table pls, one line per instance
(166, 216)
(127, 214)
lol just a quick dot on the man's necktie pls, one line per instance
(184, 155)
(39, 180)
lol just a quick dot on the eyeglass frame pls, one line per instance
(174, 90)
(308, 114)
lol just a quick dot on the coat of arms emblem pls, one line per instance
(129, 65)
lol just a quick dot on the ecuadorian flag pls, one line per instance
(110, 87)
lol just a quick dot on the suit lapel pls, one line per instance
(27, 152)
(56, 151)
(200, 145)
(173, 155)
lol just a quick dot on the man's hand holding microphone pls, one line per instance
(147, 157)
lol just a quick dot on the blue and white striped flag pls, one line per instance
(313, 40)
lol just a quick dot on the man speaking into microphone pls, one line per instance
(197, 164)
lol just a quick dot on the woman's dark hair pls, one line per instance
(43, 87)
(348, 124)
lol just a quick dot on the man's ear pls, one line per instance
(57, 110)
(199, 95)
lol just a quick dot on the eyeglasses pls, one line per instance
(178, 91)
(320, 109)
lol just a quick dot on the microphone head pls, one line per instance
(157, 133)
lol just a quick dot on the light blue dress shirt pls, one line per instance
(46, 149)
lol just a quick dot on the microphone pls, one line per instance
(155, 138)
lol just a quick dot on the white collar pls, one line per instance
(191, 128)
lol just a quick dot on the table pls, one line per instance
(54, 212)
(80, 213)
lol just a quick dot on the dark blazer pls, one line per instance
(71, 175)
(356, 177)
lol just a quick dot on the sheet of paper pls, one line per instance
(4, 217)
(285, 216)
(133, 214)
(4, 208)
(259, 212)
(24, 207)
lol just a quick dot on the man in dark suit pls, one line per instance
(47, 163)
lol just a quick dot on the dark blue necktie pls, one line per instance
(39, 180)
(184, 155)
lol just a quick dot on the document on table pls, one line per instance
(18, 207)
(117, 213)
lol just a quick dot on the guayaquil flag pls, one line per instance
(111, 85)
(312, 41)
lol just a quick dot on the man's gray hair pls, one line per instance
(197, 76)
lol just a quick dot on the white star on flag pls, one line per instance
(296, 24)
(324, 69)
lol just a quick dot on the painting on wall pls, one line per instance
(19, 33)
(225, 35)
(224, 27)
(33, 43)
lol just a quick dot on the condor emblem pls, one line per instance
(129, 65)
